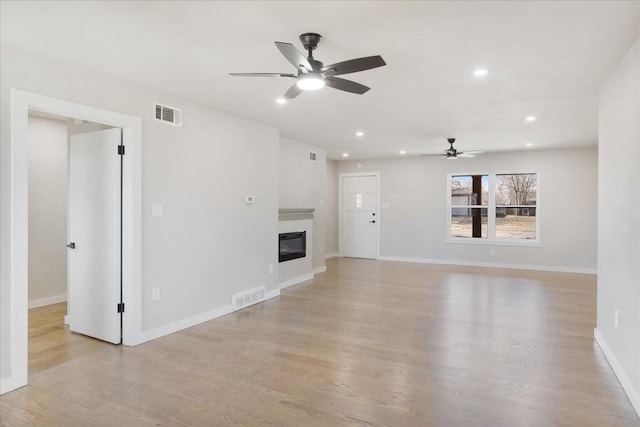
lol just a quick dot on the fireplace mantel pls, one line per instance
(295, 214)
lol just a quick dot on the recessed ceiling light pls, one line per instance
(281, 101)
(403, 152)
(359, 133)
(529, 144)
(345, 154)
(530, 118)
(479, 72)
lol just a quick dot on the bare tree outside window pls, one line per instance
(516, 199)
(516, 190)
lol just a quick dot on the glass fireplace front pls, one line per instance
(292, 245)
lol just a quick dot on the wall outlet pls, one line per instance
(155, 294)
(492, 252)
(270, 268)
(616, 318)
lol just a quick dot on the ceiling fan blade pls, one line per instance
(465, 155)
(293, 92)
(346, 85)
(353, 65)
(293, 55)
(261, 75)
(474, 152)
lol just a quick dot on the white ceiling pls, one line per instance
(547, 59)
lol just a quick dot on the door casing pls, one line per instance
(21, 103)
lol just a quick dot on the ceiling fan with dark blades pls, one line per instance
(451, 153)
(313, 74)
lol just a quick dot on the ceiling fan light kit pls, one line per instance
(313, 74)
(310, 81)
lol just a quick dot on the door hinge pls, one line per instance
(121, 307)
(121, 150)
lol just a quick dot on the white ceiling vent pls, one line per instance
(169, 115)
(313, 156)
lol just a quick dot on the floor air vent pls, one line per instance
(170, 115)
(247, 298)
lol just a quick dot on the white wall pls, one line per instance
(210, 244)
(415, 223)
(47, 211)
(619, 221)
(331, 208)
(302, 185)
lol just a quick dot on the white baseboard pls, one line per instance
(319, 270)
(332, 255)
(295, 281)
(272, 294)
(632, 393)
(47, 301)
(192, 321)
(492, 265)
(8, 384)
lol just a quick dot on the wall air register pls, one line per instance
(292, 245)
(169, 115)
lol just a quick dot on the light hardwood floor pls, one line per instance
(367, 343)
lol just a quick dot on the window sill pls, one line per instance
(501, 242)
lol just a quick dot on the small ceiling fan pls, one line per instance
(452, 153)
(313, 74)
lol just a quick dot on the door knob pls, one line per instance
(72, 245)
(374, 221)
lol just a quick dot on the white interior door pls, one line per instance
(94, 228)
(359, 230)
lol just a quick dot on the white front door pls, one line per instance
(359, 231)
(94, 254)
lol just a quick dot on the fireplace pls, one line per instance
(292, 245)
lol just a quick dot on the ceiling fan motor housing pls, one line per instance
(451, 152)
(310, 40)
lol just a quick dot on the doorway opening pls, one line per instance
(51, 259)
(15, 318)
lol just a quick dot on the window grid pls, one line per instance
(494, 215)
